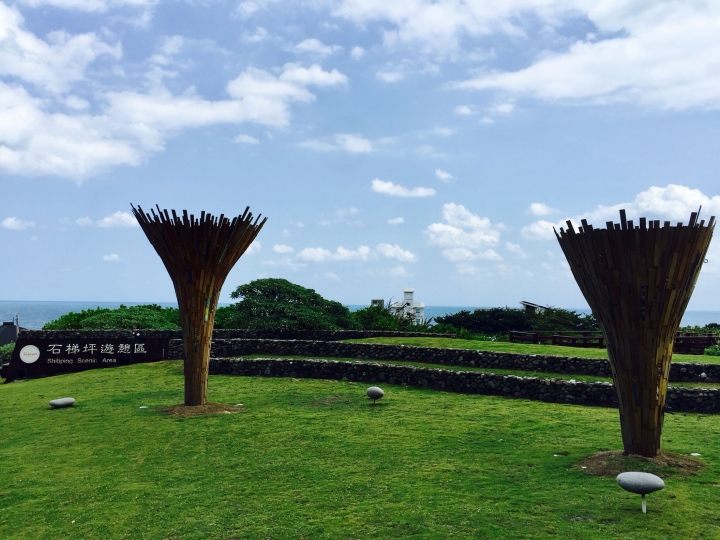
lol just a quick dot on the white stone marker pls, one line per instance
(641, 483)
(374, 393)
(62, 402)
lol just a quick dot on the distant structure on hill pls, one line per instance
(408, 307)
(9, 332)
(535, 308)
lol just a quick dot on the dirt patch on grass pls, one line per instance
(185, 411)
(330, 400)
(610, 464)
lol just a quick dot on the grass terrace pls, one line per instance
(314, 459)
(520, 348)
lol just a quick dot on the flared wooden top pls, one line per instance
(186, 243)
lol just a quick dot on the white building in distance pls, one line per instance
(408, 307)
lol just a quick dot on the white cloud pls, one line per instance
(539, 230)
(16, 224)
(516, 250)
(501, 108)
(486, 121)
(660, 55)
(444, 176)
(463, 254)
(464, 110)
(347, 142)
(396, 221)
(53, 64)
(464, 235)
(466, 268)
(390, 76)
(253, 248)
(259, 35)
(357, 53)
(396, 190)
(341, 254)
(95, 6)
(541, 209)
(76, 103)
(442, 131)
(282, 248)
(118, 219)
(246, 139)
(83, 221)
(434, 26)
(113, 257)
(673, 202)
(395, 252)
(429, 150)
(315, 47)
(35, 140)
(398, 270)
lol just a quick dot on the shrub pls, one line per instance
(149, 317)
(6, 352)
(714, 350)
(497, 321)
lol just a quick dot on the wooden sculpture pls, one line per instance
(198, 255)
(638, 280)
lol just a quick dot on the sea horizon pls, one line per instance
(33, 314)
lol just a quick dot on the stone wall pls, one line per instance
(679, 372)
(467, 382)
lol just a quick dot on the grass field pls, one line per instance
(520, 348)
(313, 459)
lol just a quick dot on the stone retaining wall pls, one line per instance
(679, 372)
(467, 382)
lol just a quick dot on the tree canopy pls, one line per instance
(277, 304)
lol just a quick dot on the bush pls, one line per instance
(713, 350)
(6, 352)
(382, 318)
(147, 317)
(499, 321)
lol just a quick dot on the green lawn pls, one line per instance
(313, 459)
(521, 348)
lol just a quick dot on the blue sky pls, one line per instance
(429, 144)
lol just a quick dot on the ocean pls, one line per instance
(33, 315)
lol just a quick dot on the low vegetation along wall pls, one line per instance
(308, 335)
(468, 382)
(224, 348)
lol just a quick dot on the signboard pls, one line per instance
(33, 358)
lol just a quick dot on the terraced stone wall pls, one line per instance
(600, 394)
(221, 348)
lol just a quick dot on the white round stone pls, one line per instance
(62, 402)
(640, 482)
(374, 392)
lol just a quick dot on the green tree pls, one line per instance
(502, 320)
(277, 304)
(148, 317)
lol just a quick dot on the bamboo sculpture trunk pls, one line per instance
(198, 254)
(638, 280)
